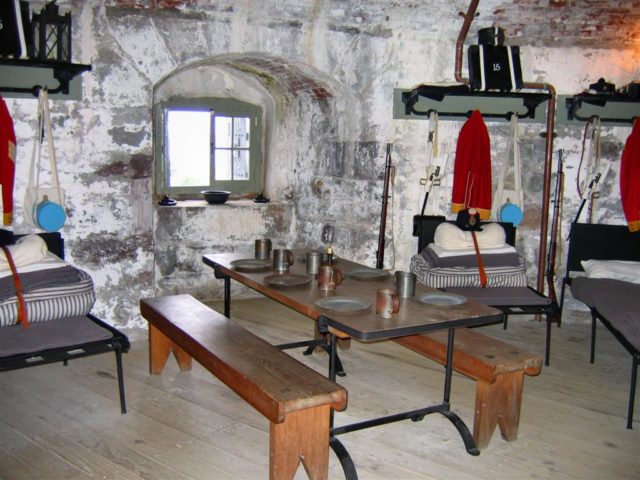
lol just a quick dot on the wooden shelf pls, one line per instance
(23, 78)
(613, 109)
(458, 101)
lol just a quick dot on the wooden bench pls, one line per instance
(498, 369)
(295, 399)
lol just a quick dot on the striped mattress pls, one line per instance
(51, 302)
(446, 277)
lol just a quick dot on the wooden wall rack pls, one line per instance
(19, 71)
(458, 101)
(612, 109)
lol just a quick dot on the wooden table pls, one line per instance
(413, 318)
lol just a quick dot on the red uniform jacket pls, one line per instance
(630, 178)
(7, 162)
(472, 170)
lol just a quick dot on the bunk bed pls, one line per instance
(603, 272)
(511, 297)
(60, 327)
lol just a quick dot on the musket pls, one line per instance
(555, 224)
(383, 215)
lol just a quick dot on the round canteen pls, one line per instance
(511, 213)
(50, 216)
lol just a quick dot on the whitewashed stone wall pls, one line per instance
(325, 153)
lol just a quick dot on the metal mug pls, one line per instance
(405, 284)
(329, 277)
(263, 248)
(314, 260)
(387, 302)
(282, 259)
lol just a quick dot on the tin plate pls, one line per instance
(343, 304)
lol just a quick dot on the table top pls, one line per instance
(414, 316)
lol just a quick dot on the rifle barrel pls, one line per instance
(383, 214)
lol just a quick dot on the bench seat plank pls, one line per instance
(270, 380)
(498, 369)
(475, 354)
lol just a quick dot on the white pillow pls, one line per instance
(28, 249)
(624, 270)
(448, 235)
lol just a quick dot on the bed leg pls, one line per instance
(123, 403)
(592, 358)
(547, 348)
(635, 359)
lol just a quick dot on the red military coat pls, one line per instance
(630, 178)
(472, 169)
(7, 162)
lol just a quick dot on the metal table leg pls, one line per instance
(346, 462)
(227, 296)
(419, 414)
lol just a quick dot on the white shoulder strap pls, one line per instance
(513, 147)
(43, 129)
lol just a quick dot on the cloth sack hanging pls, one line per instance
(44, 205)
(472, 169)
(432, 172)
(508, 205)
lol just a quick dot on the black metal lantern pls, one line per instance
(52, 34)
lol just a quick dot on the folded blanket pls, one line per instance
(446, 252)
(31, 281)
(448, 235)
(510, 259)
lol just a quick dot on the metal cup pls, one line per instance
(263, 248)
(387, 302)
(405, 284)
(282, 259)
(329, 277)
(314, 260)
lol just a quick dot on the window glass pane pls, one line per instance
(223, 131)
(241, 130)
(223, 165)
(188, 144)
(241, 165)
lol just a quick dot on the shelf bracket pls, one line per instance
(575, 103)
(63, 72)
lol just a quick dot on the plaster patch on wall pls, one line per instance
(139, 39)
(108, 248)
(123, 136)
(365, 156)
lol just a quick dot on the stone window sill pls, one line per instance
(233, 203)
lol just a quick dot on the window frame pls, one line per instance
(221, 106)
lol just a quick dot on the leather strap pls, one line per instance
(22, 307)
(483, 274)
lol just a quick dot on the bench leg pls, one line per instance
(498, 404)
(302, 437)
(159, 349)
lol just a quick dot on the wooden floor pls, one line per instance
(61, 422)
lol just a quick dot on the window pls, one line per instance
(211, 143)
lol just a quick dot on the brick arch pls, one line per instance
(288, 77)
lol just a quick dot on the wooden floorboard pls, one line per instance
(61, 422)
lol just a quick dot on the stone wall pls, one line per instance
(328, 69)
